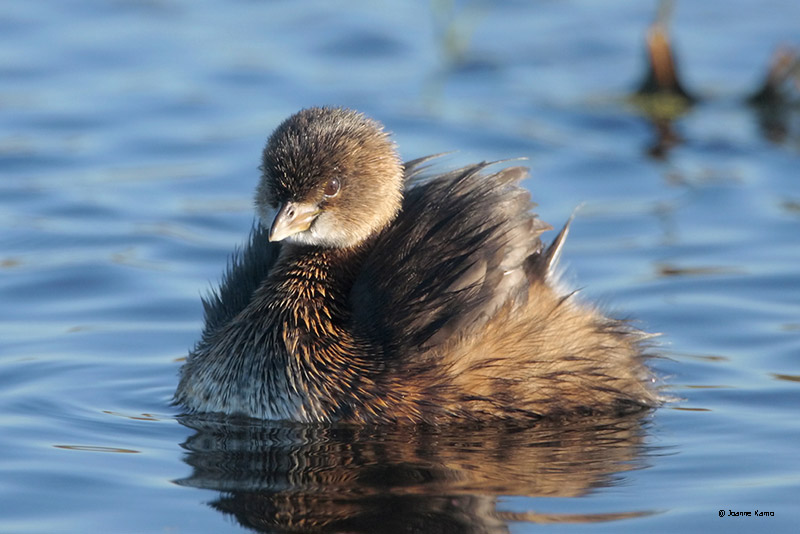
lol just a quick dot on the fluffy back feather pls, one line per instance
(454, 256)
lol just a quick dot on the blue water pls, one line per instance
(130, 135)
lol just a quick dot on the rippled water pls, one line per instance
(130, 133)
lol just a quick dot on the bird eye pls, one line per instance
(332, 187)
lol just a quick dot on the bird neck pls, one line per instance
(328, 366)
(312, 284)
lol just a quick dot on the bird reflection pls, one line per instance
(280, 477)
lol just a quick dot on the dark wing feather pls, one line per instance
(454, 256)
(246, 270)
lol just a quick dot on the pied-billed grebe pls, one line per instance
(372, 294)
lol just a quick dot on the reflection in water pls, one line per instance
(663, 97)
(280, 477)
(665, 138)
(779, 96)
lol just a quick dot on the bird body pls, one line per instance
(379, 293)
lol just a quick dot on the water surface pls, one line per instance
(130, 135)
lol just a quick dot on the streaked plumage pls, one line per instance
(400, 296)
